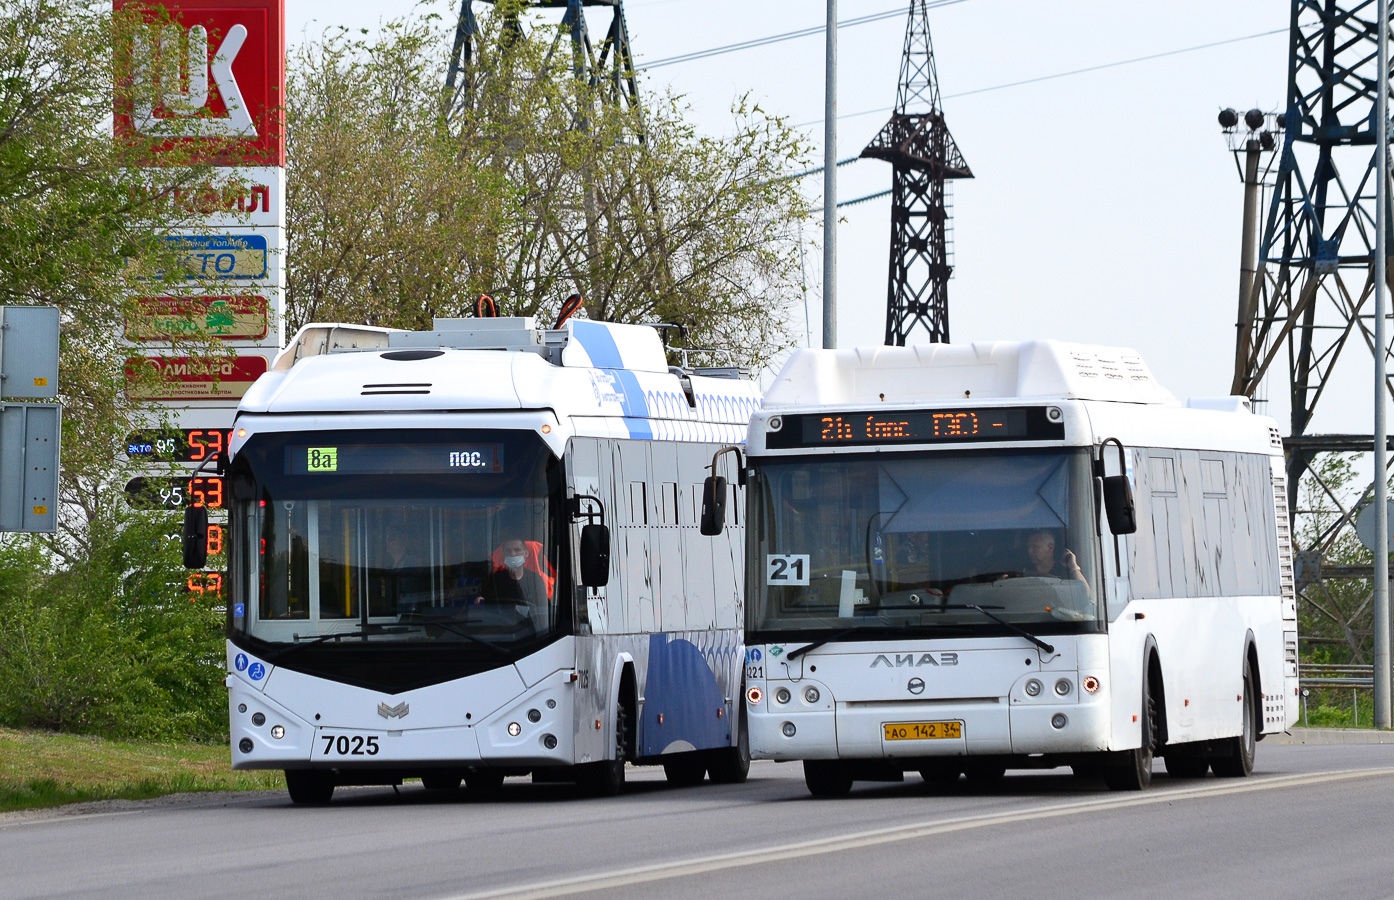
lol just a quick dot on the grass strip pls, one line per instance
(41, 769)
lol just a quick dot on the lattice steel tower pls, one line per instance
(609, 67)
(1311, 295)
(918, 144)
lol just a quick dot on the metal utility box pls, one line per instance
(29, 437)
(28, 352)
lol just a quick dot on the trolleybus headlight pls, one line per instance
(1058, 720)
(515, 729)
(241, 707)
(258, 719)
(811, 695)
(1063, 686)
(549, 741)
(278, 731)
(776, 423)
(781, 695)
(534, 715)
(1091, 684)
(245, 745)
(755, 695)
(1033, 688)
(788, 729)
(1054, 414)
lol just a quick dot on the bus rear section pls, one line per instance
(965, 559)
(458, 555)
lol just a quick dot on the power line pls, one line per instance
(876, 196)
(1121, 62)
(786, 36)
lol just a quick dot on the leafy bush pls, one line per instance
(106, 640)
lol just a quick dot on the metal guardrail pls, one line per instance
(1336, 675)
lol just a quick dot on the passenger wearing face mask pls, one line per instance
(522, 576)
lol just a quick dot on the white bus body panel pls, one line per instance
(1200, 642)
(671, 613)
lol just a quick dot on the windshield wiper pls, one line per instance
(445, 623)
(320, 639)
(1049, 648)
(839, 635)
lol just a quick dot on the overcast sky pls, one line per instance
(1105, 208)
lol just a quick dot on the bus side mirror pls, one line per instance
(595, 555)
(195, 536)
(713, 505)
(1118, 503)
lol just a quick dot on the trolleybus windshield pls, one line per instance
(362, 539)
(913, 542)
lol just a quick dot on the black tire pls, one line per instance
(983, 772)
(826, 778)
(483, 781)
(308, 787)
(1189, 765)
(688, 771)
(731, 765)
(441, 781)
(606, 777)
(1238, 762)
(1133, 771)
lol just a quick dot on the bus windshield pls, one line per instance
(913, 542)
(362, 539)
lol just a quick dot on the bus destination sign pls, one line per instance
(395, 459)
(958, 425)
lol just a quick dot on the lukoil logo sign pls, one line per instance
(209, 71)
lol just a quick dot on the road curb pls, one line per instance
(1334, 736)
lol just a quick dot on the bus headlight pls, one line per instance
(278, 731)
(782, 695)
(811, 695)
(514, 729)
(755, 695)
(1033, 688)
(788, 729)
(1091, 684)
(1063, 686)
(1058, 720)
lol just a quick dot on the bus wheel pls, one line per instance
(482, 781)
(308, 787)
(1238, 761)
(441, 781)
(731, 765)
(685, 772)
(1135, 771)
(826, 778)
(606, 777)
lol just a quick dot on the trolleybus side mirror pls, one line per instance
(195, 536)
(1118, 504)
(595, 555)
(713, 505)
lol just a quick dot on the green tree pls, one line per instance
(533, 189)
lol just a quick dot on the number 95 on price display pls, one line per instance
(786, 569)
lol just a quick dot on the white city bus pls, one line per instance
(944, 574)
(473, 552)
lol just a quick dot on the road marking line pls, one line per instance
(663, 871)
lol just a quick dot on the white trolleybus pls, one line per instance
(474, 552)
(964, 559)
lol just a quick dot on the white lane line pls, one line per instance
(663, 871)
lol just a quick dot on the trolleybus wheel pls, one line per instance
(731, 765)
(826, 778)
(687, 771)
(606, 777)
(1135, 774)
(308, 787)
(1238, 762)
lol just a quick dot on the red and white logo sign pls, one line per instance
(210, 72)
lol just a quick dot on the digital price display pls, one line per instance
(174, 492)
(178, 444)
(395, 459)
(928, 426)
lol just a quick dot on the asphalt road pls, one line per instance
(1313, 821)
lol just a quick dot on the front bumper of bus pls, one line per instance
(1015, 724)
(343, 727)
